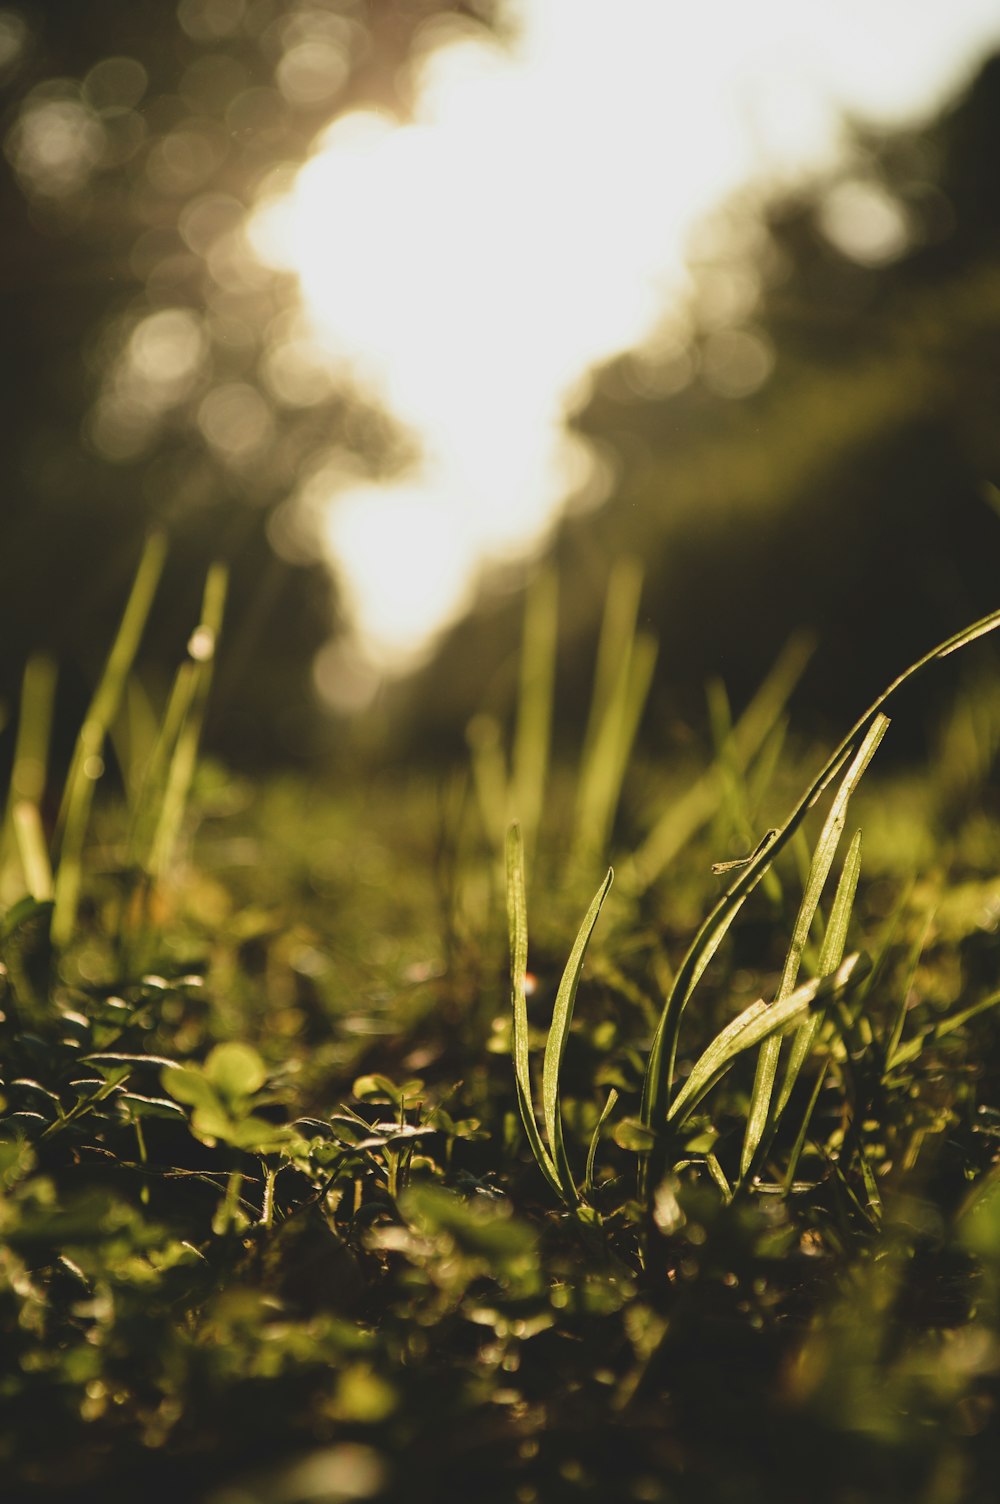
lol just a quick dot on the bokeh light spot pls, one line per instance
(167, 348)
(13, 38)
(736, 362)
(115, 83)
(865, 222)
(56, 142)
(235, 420)
(312, 72)
(209, 20)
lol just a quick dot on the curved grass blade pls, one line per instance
(899, 1022)
(660, 1067)
(588, 1174)
(759, 1022)
(555, 1045)
(819, 871)
(800, 1137)
(517, 926)
(831, 953)
(906, 1053)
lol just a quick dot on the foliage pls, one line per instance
(268, 1229)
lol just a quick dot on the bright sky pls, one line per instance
(468, 268)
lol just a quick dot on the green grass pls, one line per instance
(310, 1189)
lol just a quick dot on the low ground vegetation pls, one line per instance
(384, 1143)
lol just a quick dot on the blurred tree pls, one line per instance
(154, 371)
(813, 443)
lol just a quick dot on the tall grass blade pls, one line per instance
(822, 861)
(533, 735)
(87, 763)
(899, 1022)
(733, 804)
(555, 1045)
(624, 672)
(618, 629)
(831, 954)
(489, 774)
(800, 1137)
(134, 736)
(31, 847)
(871, 1187)
(34, 729)
(659, 1072)
(188, 706)
(517, 929)
(28, 773)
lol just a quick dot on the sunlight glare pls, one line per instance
(530, 221)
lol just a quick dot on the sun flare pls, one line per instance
(467, 268)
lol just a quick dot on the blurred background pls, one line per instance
(383, 303)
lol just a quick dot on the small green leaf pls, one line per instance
(481, 1227)
(235, 1070)
(633, 1134)
(190, 1087)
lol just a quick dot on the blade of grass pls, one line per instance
(734, 812)
(149, 803)
(913, 1048)
(854, 1026)
(34, 727)
(800, 1137)
(899, 1022)
(755, 1024)
(32, 850)
(618, 628)
(201, 650)
(871, 1187)
(28, 769)
(588, 1175)
(834, 944)
(87, 763)
(819, 871)
(533, 734)
(718, 1174)
(658, 1083)
(517, 928)
(489, 774)
(733, 802)
(625, 663)
(555, 1045)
